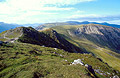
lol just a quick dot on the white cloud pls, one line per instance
(86, 16)
(16, 10)
(38, 4)
(115, 22)
(115, 19)
(64, 2)
(45, 2)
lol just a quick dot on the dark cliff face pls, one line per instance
(102, 35)
(48, 38)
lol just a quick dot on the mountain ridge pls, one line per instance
(98, 39)
(99, 34)
(48, 25)
(48, 38)
(54, 52)
(103, 34)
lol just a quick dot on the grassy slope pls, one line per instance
(103, 53)
(22, 60)
(1, 35)
(10, 34)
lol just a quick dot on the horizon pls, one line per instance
(49, 11)
(58, 22)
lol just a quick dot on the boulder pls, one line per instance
(43, 45)
(55, 48)
(78, 61)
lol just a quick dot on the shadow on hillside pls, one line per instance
(56, 41)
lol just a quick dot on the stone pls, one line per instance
(43, 45)
(55, 48)
(86, 65)
(78, 61)
(60, 55)
(65, 60)
(99, 72)
(108, 73)
(115, 76)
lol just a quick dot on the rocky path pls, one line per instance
(12, 40)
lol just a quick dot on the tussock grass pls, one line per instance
(22, 60)
(108, 56)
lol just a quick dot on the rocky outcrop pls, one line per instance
(89, 67)
(91, 70)
(100, 35)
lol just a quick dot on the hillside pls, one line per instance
(23, 60)
(102, 41)
(28, 53)
(49, 25)
(101, 35)
(48, 38)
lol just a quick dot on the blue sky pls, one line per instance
(46, 11)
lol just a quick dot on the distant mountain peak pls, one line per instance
(100, 34)
(6, 26)
(48, 25)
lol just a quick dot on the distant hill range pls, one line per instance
(32, 25)
(39, 26)
(6, 26)
(48, 25)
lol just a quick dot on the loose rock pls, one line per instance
(78, 61)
